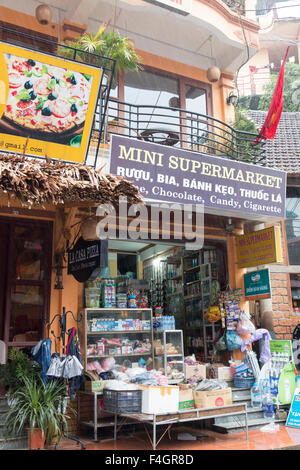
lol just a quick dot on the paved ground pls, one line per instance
(285, 438)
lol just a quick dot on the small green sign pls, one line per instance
(257, 285)
(281, 346)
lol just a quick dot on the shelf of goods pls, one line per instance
(169, 354)
(119, 333)
(190, 280)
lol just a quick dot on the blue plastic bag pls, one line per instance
(233, 340)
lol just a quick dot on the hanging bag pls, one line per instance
(233, 340)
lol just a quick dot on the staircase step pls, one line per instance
(253, 413)
(14, 443)
(232, 426)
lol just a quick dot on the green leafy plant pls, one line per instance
(19, 365)
(291, 90)
(105, 43)
(36, 405)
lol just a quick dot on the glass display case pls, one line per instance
(124, 334)
(169, 354)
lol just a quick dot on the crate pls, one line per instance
(243, 382)
(122, 401)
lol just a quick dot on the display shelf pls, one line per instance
(96, 356)
(171, 294)
(115, 332)
(119, 317)
(174, 337)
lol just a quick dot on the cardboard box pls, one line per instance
(212, 398)
(95, 385)
(219, 371)
(186, 399)
(199, 370)
(159, 399)
(225, 373)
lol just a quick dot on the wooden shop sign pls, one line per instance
(261, 247)
(84, 260)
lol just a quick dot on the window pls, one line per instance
(148, 91)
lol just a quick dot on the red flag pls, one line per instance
(269, 127)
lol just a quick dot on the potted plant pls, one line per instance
(36, 406)
(18, 366)
(107, 44)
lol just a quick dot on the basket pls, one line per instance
(243, 382)
(122, 401)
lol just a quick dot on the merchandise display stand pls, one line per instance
(170, 360)
(183, 416)
(63, 331)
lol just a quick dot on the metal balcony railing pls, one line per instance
(178, 128)
(238, 6)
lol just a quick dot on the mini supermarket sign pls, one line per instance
(257, 285)
(257, 248)
(222, 186)
(184, 7)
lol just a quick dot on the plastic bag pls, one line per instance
(245, 325)
(271, 427)
(213, 314)
(221, 344)
(233, 340)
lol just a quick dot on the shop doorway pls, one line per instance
(176, 282)
(25, 276)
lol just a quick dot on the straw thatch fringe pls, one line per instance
(38, 182)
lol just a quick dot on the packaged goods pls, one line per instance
(198, 370)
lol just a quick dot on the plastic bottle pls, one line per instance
(256, 396)
(268, 405)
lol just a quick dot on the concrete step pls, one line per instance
(3, 414)
(238, 426)
(253, 413)
(14, 443)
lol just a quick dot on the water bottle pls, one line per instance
(255, 396)
(268, 406)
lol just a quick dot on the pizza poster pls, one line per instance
(46, 104)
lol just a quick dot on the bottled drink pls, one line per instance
(256, 396)
(268, 406)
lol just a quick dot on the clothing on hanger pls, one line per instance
(41, 353)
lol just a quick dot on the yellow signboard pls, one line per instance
(257, 248)
(48, 101)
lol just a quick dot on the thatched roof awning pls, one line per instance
(38, 182)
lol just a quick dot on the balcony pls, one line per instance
(174, 127)
(238, 6)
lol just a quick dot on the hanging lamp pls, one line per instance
(213, 73)
(43, 14)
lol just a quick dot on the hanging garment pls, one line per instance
(56, 367)
(261, 333)
(41, 353)
(73, 349)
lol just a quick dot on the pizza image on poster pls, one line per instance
(47, 99)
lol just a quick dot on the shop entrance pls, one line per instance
(25, 275)
(176, 282)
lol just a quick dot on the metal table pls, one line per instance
(183, 416)
(96, 423)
